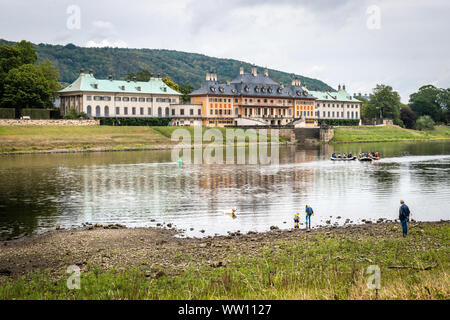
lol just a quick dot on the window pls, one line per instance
(149, 111)
(210, 99)
(117, 99)
(97, 98)
(191, 112)
(348, 114)
(125, 110)
(88, 98)
(106, 111)
(324, 114)
(173, 112)
(167, 112)
(97, 111)
(117, 110)
(236, 111)
(211, 111)
(235, 100)
(107, 98)
(182, 112)
(159, 111)
(126, 99)
(199, 111)
(149, 99)
(141, 99)
(89, 111)
(142, 111)
(216, 112)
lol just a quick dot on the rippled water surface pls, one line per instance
(132, 188)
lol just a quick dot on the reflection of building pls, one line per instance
(336, 104)
(116, 98)
(252, 99)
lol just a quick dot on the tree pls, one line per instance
(143, 75)
(26, 87)
(386, 102)
(186, 89)
(51, 74)
(408, 117)
(27, 52)
(171, 84)
(431, 101)
(425, 123)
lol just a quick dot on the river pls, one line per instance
(144, 188)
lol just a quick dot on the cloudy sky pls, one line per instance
(361, 43)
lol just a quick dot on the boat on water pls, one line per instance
(342, 159)
(366, 159)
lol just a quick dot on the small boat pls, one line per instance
(365, 159)
(342, 159)
(375, 158)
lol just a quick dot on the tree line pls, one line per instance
(428, 106)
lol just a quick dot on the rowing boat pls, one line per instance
(342, 159)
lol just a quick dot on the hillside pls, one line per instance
(182, 67)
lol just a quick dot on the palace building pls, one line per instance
(253, 99)
(117, 98)
(336, 105)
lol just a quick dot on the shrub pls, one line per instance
(408, 117)
(74, 115)
(339, 122)
(7, 113)
(159, 122)
(425, 123)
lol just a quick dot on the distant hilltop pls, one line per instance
(182, 67)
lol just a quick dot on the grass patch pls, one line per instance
(388, 133)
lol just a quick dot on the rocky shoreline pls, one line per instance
(157, 251)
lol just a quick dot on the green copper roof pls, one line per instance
(87, 82)
(341, 96)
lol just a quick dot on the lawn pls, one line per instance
(82, 138)
(388, 133)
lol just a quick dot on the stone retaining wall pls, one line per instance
(17, 122)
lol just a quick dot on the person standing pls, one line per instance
(404, 217)
(296, 220)
(309, 212)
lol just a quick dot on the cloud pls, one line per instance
(106, 43)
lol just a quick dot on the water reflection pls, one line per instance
(39, 191)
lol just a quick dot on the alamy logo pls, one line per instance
(374, 18)
(74, 18)
(73, 282)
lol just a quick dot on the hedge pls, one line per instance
(159, 122)
(36, 113)
(7, 113)
(339, 122)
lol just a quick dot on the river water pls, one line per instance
(37, 192)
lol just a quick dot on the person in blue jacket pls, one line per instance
(404, 217)
(309, 212)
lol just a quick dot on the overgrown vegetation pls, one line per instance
(339, 122)
(134, 121)
(183, 67)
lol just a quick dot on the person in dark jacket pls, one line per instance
(404, 217)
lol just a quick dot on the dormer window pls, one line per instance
(122, 87)
(212, 89)
(138, 88)
(280, 90)
(164, 89)
(95, 85)
(256, 89)
(305, 93)
(270, 90)
(299, 93)
(221, 89)
(263, 89)
(246, 89)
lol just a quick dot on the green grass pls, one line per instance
(320, 267)
(84, 138)
(388, 133)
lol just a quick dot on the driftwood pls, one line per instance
(414, 268)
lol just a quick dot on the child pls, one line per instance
(296, 220)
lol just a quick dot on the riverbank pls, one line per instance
(388, 134)
(149, 263)
(68, 139)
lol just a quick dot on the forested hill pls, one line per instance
(182, 67)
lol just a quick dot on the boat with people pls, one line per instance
(344, 157)
(370, 156)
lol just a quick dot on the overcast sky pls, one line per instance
(405, 44)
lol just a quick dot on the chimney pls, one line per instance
(343, 87)
(82, 72)
(281, 85)
(208, 76)
(241, 70)
(110, 77)
(159, 75)
(134, 78)
(294, 82)
(254, 71)
(228, 82)
(91, 73)
(339, 87)
(266, 72)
